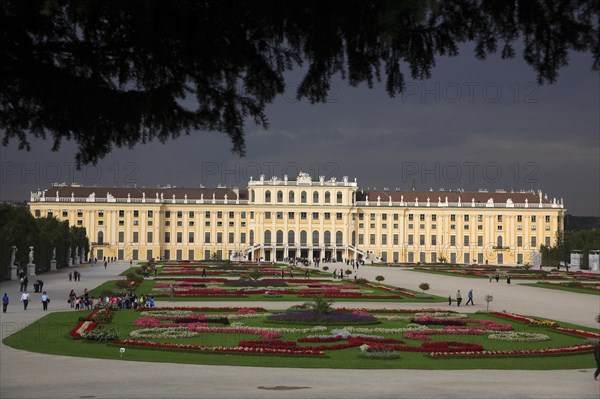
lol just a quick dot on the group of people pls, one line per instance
(497, 277)
(81, 302)
(75, 276)
(459, 298)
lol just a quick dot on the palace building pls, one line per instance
(275, 219)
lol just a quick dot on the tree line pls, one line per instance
(582, 239)
(18, 227)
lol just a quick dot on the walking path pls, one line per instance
(27, 375)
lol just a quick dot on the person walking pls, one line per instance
(105, 264)
(45, 301)
(470, 298)
(5, 301)
(458, 298)
(70, 276)
(507, 279)
(25, 297)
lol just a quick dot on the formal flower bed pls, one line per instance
(321, 318)
(220, 349)
(581, 333)
(82, 328)
(513, 336)
(522, 352)
(408, 331)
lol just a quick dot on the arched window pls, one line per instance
(291, 198)
(315, 237)
(100, 237)
(327, 197)
(303, 237)
(354, 238)
(251, 237)
(315, 197)
(291, 237)
(279, 196)
(253, 196)
(303, 197)
(267, 196)
(499, 241)
(339, 238)
(279, 236)
(339, 197)
(267, 237)
(327, 237)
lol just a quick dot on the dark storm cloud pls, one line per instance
(472, 125)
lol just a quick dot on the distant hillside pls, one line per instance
(581, 222)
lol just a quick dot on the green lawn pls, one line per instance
(562, 288)
(147, 286)
(51, 335)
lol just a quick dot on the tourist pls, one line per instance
(77, 303)
(72, 298)
(22, 281)
(25, 299)
(458, 298)
(70, 276)
(470, 298)
(40, 285)
(25, 282)
(596, 356)
(507, 279)
(449, 300)
(105, 264)
(45, 301)
(497, 277)
(334, 274)
(5, 301)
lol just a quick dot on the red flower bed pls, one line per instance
(206, 308)
(526, 352)
(581, 333)
(221, 349)
(82, 327)
(350, 295)
(321, 339)
(512, 316)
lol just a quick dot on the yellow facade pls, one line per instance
(276, 219)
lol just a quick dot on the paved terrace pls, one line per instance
(28, 375)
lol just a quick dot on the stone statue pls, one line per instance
(31, 255)
(13, 256)
(76, 251)
(54, 253)
(69, 252)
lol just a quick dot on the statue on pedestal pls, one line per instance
(31, 255)
(69, 252)
(54, 253)
(13, 256)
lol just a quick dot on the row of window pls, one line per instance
(372, 216)
(303, 197)
(291, 238)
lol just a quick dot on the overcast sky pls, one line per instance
(474, 124)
